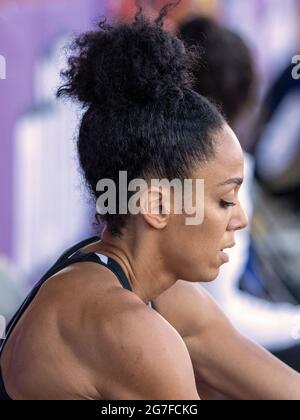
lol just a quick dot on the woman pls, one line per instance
(88, 330)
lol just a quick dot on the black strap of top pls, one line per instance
(70, 251)
(118, 271)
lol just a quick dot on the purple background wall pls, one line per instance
(26, 31)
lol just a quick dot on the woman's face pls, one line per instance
(197, 251)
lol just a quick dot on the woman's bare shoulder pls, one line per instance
(133, 349)
(82, 291)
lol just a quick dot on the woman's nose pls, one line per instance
(240, 220)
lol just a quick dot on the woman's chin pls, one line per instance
(203, 275)
(210, 276)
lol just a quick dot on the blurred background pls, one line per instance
(43, 204)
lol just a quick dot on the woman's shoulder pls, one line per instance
(98, 299)
(119, 337)
(92, 306)
(85, 288)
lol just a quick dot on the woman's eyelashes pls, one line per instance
(226, 204)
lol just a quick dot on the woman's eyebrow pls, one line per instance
(237, 181)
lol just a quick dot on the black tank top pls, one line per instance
(69, 257)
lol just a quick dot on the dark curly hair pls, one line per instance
(141, 114)
(225, 74)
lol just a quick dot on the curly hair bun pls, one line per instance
(137, 62)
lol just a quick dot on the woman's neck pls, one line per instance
(142, 262)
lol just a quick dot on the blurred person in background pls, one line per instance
(226, 75)
(277, 146)
(124, 9)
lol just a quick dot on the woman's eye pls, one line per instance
(225, 204)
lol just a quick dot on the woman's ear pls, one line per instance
(156, 207)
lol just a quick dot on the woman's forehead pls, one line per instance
(229, 157)
(227, 146)
(228, 162)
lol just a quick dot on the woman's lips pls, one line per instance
(224, 257)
